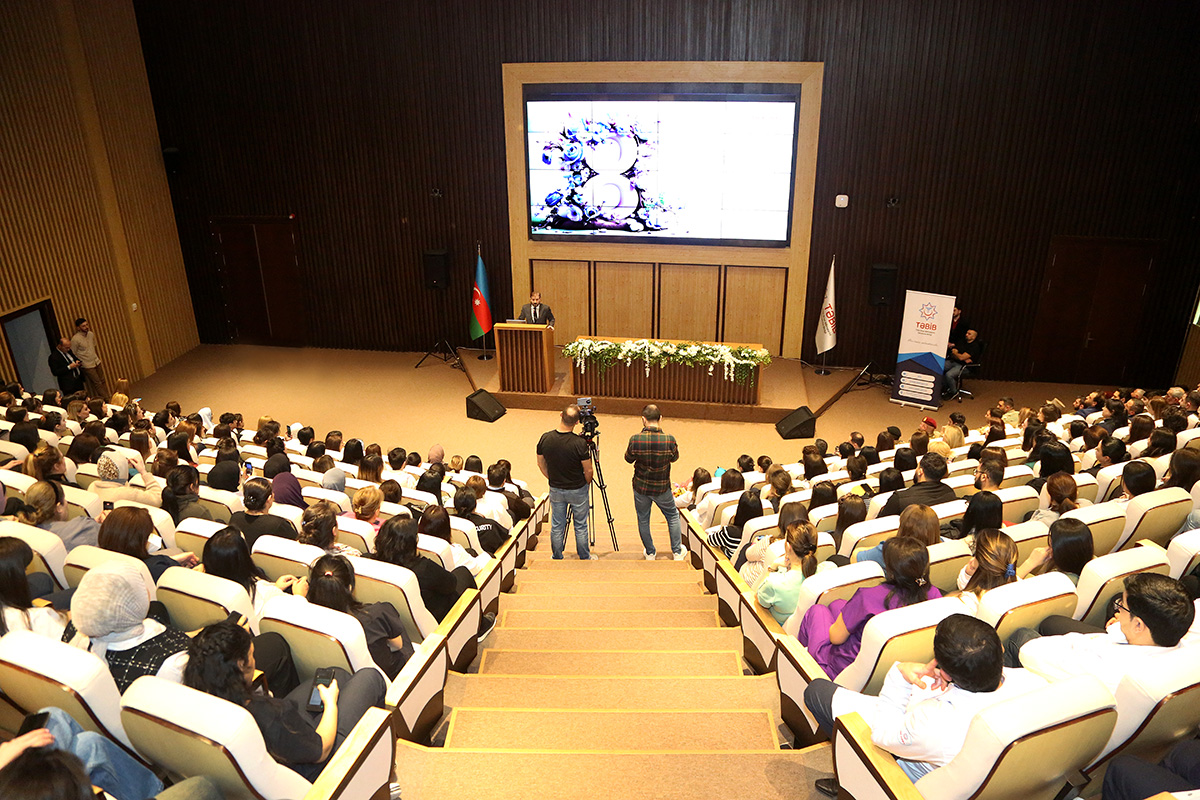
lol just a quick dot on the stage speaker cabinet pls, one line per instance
(800, 424)
(883, 284)
(436, 265)
(482, 405)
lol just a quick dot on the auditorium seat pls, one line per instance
(1024, 604)
(307, 478)
(952, 509)
(415, 698)
(86, 474)
(1183, 553)
(193, 533)
(946, 560)
(86, 556)
(877, 503)
(1108, 482)
(962, 466)
(318, 636)
(291, 513)
(164, 526)
(49, 552)
(963, 485)
(868, 533)
(196, 599)
(825, 517)
(388, 510)
(1028, 536)
(1020, 747)
(1106, 522)
(221, 504)
(356, 533)
(188, 733)
(79, 502)
(1016, 475)
(437, 550)
(1155, 516)
(277, 556)
(1104, 576)
(313, 494)
(832, 584)
(1019, 502)
(417, 499)
(464, 533)
(381, 582)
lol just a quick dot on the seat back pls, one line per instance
(1104, 577)
(15, 483)
(833, 584)
(902, 634)
(1028, 536)
(356, 533)
(193, 533)
(87, 474)
(318, 636)
(1156, 516)
(1018, 501)
(312, 494)
(825, 517)
(290, 513)
(946, 560)
(86, 556)
(868, 533)
(389, 510)
(1106, 522)
(1108, 482)
(953, 509)
(49, 552)
(307, 478)
(220, 503)
(1024, 604)
(1183, 553)
(436, 550)
(80, 502)
(196, 599)
(164, 526)
(464, 534)
(17, 451)
(277, 556)
(1016, 475)
(1022, 746)
(189, 732)
(381, 582)
(962, 485)
(877, 503)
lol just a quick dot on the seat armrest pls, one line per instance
(1150, 543)
(864, 770)
(363, 764)
(460, 627)
(795, 669)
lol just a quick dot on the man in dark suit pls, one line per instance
(927, 488)
(535, 312)
(66, 367)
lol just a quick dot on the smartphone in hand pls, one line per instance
(323, 677)
(33, 722)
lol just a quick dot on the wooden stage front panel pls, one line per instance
(672, 382)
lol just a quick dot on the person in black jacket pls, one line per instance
(66, 368)
(257, 520)
(491, 533)
(396, 543)
(927, 488)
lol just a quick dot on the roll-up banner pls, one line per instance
(921, 360)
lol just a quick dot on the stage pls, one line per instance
(787, 384)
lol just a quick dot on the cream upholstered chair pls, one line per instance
(356, 533)
(86, 556)
(86, 474)
(415, 697)
(312, 494)
(220, 503)
(290, 513)
(388, 510)
(1106, 521)
(877, 503)
(962, 485)
(193, 533)
(718, 503)
(1018, 501)
(952, 509)
(196, 599)
(962, 466)
(1016, 475)
(318, 636)
(946, 560)
(1018, 748)
(1108, 482)
(17, 451)
(307, 478)
(381, 582)
(1183, 553)
(37, 672)
(868, 533)
(1155, 709)
(1024, 604)
(1156, 516)
(188, 732)
(1028, 536)
(277, 556)
(164, 526)
(1104, 576)
(825, 517)
(417, 499)
(463, 533)
(832, 584)
(80, 502)
(15, 483)
(435, 549)
(49, 552)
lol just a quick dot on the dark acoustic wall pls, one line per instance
(997, 125)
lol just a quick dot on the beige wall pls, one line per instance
(85, 212)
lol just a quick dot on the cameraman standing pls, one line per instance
(651, 453)
(565, 459)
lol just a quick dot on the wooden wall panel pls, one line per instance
(995, 125)
(566, 288)
(688, 301)
(1188, 373)
(624, 299)
(754, 306)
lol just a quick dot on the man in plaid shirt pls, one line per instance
(651, 453)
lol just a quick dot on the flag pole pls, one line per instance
(486, 356)
(823, 370)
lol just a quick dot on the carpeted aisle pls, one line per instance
(611, 678)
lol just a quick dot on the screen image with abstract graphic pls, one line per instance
(694, 168)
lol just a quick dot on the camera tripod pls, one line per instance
(599, 481)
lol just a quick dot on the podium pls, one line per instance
(525, 354)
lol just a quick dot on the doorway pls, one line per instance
(30, 334)
(261, 280)
(1090, 309)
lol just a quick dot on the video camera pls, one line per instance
(587, 417)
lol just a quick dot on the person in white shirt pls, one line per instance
(923, 711)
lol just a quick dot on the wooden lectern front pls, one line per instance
(526, 357)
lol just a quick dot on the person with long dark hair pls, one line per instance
(16, 599)
(1064, 496)
(396, 544)
(729, 537)
(181, 495)
(984, 510)
(778, 587)
(731, 481)
(833, 633)
(1069, 549)
(127, 530)
(227, 556)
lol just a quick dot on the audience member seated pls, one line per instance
(905, 459)
(993, 564)
(833, 634)
(392, 491)
(731, 480)
(824, 493)
(1162, 442)
(16, 595)
(916, 522)
(1053, 458)
(1110, 451)
(113, 485)
(128, 530)
(1131, 778)
(927, 488)
(1152, 616)
(45, 506)
(431, 483)
(440, 589)
(852, 509)
(766, 548)
(46, 463)
(333, 479)
(286, 489)
(491, 533)
(227, 555)
(729, 537)
(365, 506)
(181, 496)
(256, 520)
(1113, 416)
(318, 527)
(1069, 549)
(222, 660)
(778, 486)
(890, 480)
(519, 501)
(1064, 496)
(435, 521)
(778, 586)
(923, 711)
(1137, 478)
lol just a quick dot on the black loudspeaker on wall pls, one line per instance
(436, 264)
(481, 405)
(800, 424)
(883, 284)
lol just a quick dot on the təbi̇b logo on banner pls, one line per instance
(921, 359)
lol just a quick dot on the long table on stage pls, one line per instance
(672, 382)
(525, 354)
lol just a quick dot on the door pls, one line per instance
(31, 334)
(261, 281)
(1090, 309)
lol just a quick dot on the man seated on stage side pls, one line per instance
(961, 356)
(536, 312)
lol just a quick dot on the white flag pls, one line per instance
(827, 327)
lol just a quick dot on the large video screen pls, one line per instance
(713, 164)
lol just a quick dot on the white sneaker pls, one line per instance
(650, 556)
(681, 555)
(591, 557)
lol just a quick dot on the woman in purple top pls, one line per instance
(833, 633)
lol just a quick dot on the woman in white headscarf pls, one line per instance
(114, 484)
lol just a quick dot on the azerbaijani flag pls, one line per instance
(481, 305)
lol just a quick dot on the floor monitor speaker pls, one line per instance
(883, 284)
(482, 405)
(436, 266)
(800, 424)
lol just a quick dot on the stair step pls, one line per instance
(649, 639)
(610, 588)
(607, 563)
(609, 619)
(583, 577)
(609, 731)
(581, 601)
(610, 662)
(574, 691)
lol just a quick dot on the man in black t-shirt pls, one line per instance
(566, 460)
(962, 354)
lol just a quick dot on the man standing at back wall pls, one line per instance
(651, 453)
(83, 344)
(565, 459)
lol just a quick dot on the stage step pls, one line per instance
(610, 731)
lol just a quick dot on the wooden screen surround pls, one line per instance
(669, 291)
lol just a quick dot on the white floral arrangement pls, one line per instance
(737, 363)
